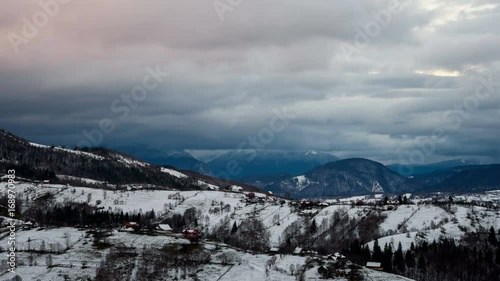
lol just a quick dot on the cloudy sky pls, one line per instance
(387, 80)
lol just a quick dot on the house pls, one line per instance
(304, 252)
(337, 257)
(235, 188)
(306, 204)
(251, 195)
(253, 200)
(297, 251)
(132, 226)
(28, 225)
(274, 250)
(340, 256)
(164, 228)
(374, 265)
(192, 234)
(393, 202)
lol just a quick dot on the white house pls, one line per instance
(236, 188)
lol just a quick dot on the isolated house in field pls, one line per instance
(374, 265)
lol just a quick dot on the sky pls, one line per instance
(393, 81)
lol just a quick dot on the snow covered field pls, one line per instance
(78, 259)
(72, 249)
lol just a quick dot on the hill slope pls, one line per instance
(355, 176)
(469, 179)
(179, 159)
(41, 162)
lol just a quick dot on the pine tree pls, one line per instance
(409, 259)
(497, 259)
(399, 260)
(234, 229)
(365, 253)
(377, 252)
(313, 227)
(387, 258)
(421, 263)
(492, 238)
(488, 256)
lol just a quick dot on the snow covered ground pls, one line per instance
(406, 224)
(174, 173)
(78, 259)
(91, 155)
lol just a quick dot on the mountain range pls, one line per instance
(300, 174)
(180, 159)
(248, 164)
(269, 162)
(55, 163)
(344, 177)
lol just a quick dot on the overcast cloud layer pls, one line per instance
(398, 96)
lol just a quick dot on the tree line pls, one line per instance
(474, 258)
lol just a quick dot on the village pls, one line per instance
(229, 220)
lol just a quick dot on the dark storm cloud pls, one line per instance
(228, 78)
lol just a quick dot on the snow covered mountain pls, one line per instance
(97, 165)
(270, 162)
(344, 177)
(180, 159)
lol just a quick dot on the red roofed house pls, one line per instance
(132, 225)
(191, 234)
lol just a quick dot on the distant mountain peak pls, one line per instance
(355, 176)
(269, 162)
